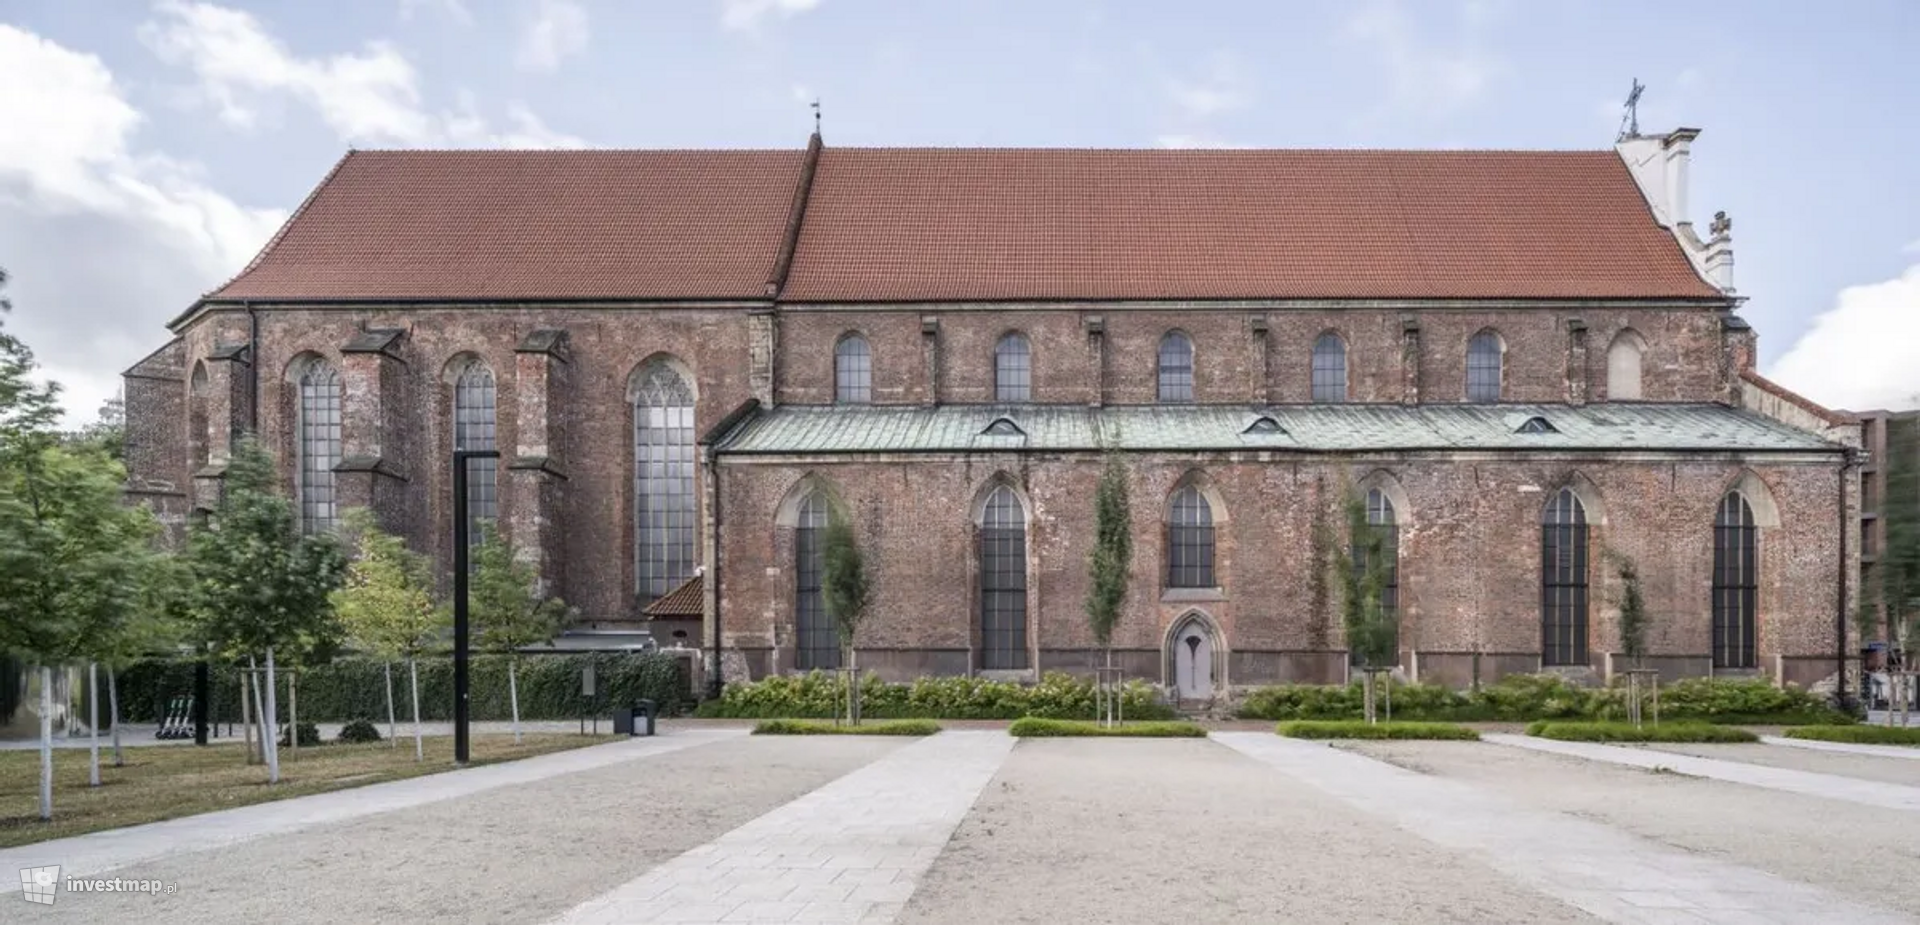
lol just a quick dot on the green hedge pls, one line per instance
(1628, 732)
(1360, 729)
(815, 727)
(1040, 727)
(1525, 698)
(818, 695)
(354, 688)
(1858, 734)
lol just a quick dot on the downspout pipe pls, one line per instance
(1843, 693)
(253, 370)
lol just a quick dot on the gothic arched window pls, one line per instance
(1013, 369)
(1736, 584)
(1190, 540)
(1484, 358)
(474, 409)
(852, 371)
(1176, 368)
(317, 421)
(664, 506)
(1563, 581)
(1003, 582)
(819, 644)
(1330, 368)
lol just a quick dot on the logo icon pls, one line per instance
(40, 883)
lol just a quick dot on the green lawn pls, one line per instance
(169, 781)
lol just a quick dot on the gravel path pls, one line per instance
(1851, 849)
(520, 854)
(1185, 831)
(1862, 767)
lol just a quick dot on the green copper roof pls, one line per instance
(811, 429)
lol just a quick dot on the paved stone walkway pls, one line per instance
(851, 851)
(1807, 783)
(1847, 748)
(88, 855)
(1601, 870)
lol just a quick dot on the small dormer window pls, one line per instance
(1536, 425)
(1003, 427)
(1264, 425)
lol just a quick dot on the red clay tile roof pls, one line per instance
(682, 603)
(1008, 224)
(974, 225)
(532, 224)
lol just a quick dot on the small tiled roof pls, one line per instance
(682, 603)
(1013, 224)
(532, 225)
(817, 429)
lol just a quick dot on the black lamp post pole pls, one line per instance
(461, 648)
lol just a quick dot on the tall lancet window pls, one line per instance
(317, 421)
(474, 409)
(664, 504)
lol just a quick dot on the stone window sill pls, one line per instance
(1191, 595)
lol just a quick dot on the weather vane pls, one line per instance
(1630, 120)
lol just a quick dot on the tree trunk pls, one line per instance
(93, 724)
(513, 694)
(273, 726)
(391, 742)
(293, 711)
(248, 708)
(413, 673)
(46, 742)
(113, 716)
(853, 686)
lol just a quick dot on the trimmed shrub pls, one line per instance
(1355, 729)
(1525, 698)
(815, 695)
(355, 687)
(309, 735)
(1858, 734)
(359, 730)
(1041, 727)
(812, 727)
(1627, 732)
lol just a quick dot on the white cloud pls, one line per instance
(1221, 88)
(559, 29)
(1426, 76)
(1913, 247)
(1863, 353)
(104, 241)
(748, 15)
(371, 97)
(453, 8)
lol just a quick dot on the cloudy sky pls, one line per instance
(147, 150)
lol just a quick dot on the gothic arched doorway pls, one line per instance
(1193, 656)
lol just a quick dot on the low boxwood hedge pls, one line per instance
(353, 687)
(1860, 734)
(1360, 729)
(1040, 727)
(821, 727)
(1628, 732)
(1525, 698)
(820, 695)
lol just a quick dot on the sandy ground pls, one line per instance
(521, 854)
(1852, 849)
(1186, 831)
(1864, 767)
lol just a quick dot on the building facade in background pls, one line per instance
(1525, 366)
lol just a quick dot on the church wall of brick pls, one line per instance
(1470, 556)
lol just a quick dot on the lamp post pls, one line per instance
(460, 634)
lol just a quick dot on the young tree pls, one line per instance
(1633, 611)
(844, 589)
(1373, 630)
(259, 584)
(509, 607)
(1110, 571)
(153, 627)
(386, 608)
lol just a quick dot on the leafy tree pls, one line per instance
(509, 607)
(1373, 628)
(844, 589)
(258, 583)
(1110, 569)
(1633, 611)
(108, 431)
(1899, 563)
(386, 608)
(155, 626)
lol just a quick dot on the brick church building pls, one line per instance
(1526, 365)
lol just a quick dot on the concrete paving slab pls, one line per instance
(1809, 783)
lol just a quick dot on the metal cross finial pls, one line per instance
(1630, 120)
(1722, 225)
(816, 114)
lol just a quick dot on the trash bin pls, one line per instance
(633, 722)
